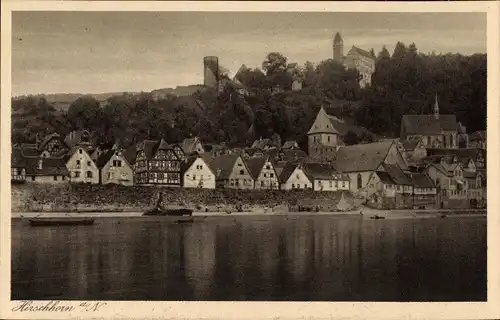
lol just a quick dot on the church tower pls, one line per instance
(338, 48)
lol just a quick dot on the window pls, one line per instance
(55, 178)
(271, 175)
(265, 175)
(343, 184)
(293, 185)
(360, 181)
(89, 163)
(80, 151)
(110, 175)
(89, 174)
(194, 177)
(32, 178)
(242, 172)
(328, 137)
(331, 184)
(118, 163)
(262, 183)
(64, 178)
(336, 184)
(77, 162)
(77, 174)
(268, 167)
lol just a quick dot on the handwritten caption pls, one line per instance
(58, 306)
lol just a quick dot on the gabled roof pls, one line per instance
(75, 137)
(223, 165)
(186, 165)
(428, 124)
(104, 158)
(410, 145)
(130, 154)
(48, 138)
(396, 174)
(362, 157)
(279, 166)
(322, 124)
(290, 144)
(262, 143)
(189, 144)
(255, 166)
(361, 52)
(319, 170)
(150, 147)
(422, 180)
(287, 171)
(460, 153)
(478, 135)
(292, 154)
(50, 166)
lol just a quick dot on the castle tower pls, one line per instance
(338, 47)
(210, 71)
(436, 108)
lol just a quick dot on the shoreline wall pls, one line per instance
(86, 197)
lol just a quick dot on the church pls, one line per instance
(356, 58)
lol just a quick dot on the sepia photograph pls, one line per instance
(247, 156)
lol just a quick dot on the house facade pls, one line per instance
(231, 172)
(192, 145)
(196, 173)
(477, 140)
(46, 170)
(52, 146)
(81, 167)
(425, 194)
(115, 168)
(293, 177)
(157, 164)
(325, 178)
(390, 188)
(17, 166)
(263, 173)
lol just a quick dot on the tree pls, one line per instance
(383, 54)
(85, 113)
(274, 63)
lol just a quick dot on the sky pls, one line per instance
(94, 52)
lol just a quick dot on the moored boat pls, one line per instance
(66, 221)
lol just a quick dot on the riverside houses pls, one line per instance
(263, 173)
(196, 173)
(231, 172)
(18, 166)
(360, 161)
(157, 164)
(46, 170)
(52, 146)
(324, 177)
(424, 191)
(390, 188)
(115, 168)
(293, 177)
(81, 166)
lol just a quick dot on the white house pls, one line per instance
(196, 173)
(115, 168)
(325, 178)
(293, 177)
(81, 167)
(263, 172)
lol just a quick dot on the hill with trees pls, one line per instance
(405, 82)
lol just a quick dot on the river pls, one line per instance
(294, 258)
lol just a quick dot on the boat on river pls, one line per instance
(65, 221)
(158, 210)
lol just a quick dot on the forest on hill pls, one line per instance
(405, 82)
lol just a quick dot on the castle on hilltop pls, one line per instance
(356, 58)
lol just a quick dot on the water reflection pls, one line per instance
(271, 258)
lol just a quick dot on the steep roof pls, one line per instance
(287, 171)
(322, 124)
(410, 145)
(223, 165)
(279, 166)
(460, 153)
(428, 124)
(50, 166)
(397, 175)
(362, 52)
(130, 154)
(189, 144)
(48, 138)
(104, 158)
(422, 180)
(478, 135)
(150, 147)
(319, 170)
(294, 154)
(185, 165)
(290, 144)
(337, 38)
(255, 165)
(75, 137)
(362, 157)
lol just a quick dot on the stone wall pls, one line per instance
(104, 198)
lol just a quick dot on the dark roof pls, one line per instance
(48, 138)
(75, 137)
(104, 158)
(422, 180)
(287, 171)
(50, 166)
(262, 143)
(29, 150)
(460, 152)
(150, 147)
(319, 170)
(255, 165)
(362, 52)
(397, 175)
(362, 157)
(130, 154)
(428, 124)
(470, 175)
(478, 135)
(292, 154)
(290, 144)
(188, 145)
(16, 159)
(337, 37)
(223, 165)
(410, 145)
(253, 151)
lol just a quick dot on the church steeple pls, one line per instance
(338, 47)
(436, 108)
